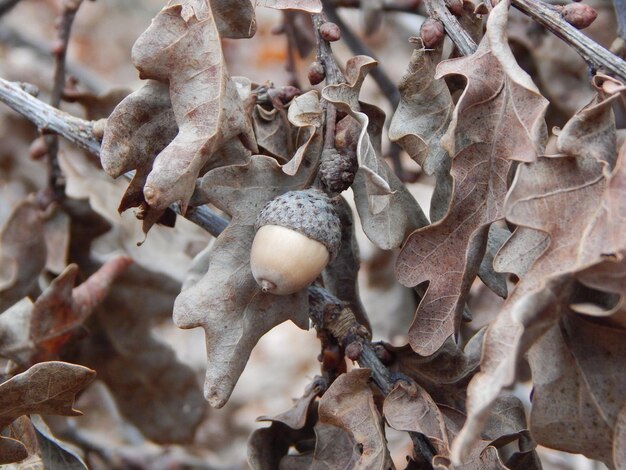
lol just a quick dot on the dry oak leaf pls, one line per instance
(139, 128)
(22, 252)
(227, 302)
(579, 379)
(349, 405)
(267, 447)
(345, 97)
(43, 449)
(182, 47)
(389, 226)
(421, 120)
(235, 19)
(47, 388)
(305, 113)
(498, 119)
(311, 6)
(540, 200)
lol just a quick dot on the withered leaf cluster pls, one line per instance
(527, 209)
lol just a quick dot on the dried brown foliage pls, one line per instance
(525, 226)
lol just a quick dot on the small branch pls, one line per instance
(438, 10)
(334, 75)
(386, 85)
(55, 175)
(80, 133)
(594, 54)
(329, 314)
(7, 5)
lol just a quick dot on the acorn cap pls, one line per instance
(309, 212)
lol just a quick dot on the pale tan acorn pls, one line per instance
(297, 235)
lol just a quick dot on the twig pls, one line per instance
(438, 10)
(328, 313)
(290, 36)
(386, 85)
(80, 132)
(55, 175)
(596, 56)
(7, 5)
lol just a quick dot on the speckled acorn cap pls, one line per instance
(309, 212)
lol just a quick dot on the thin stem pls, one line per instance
(438, 10)
(596, 56)
(55, 175)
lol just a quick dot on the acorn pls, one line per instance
(297, 235)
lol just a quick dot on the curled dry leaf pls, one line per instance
(577, 373)
(268, 447)
(22, 252)
(421, 120)
(498, 119)
(305, 112)
(227, 302)
(538, 202)
(206, 105)
(311, 6)
(139, 128)
(348, 404)
(37, 332)
(386, 219)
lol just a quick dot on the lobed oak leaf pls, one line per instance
(305, 113)
(538, 202)
(348, 404)
(227, 302)
(498, 119)
(22, 252)
(139, 128)
(182, 47)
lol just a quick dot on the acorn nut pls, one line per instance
(297, 235)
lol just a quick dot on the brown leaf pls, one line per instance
(311, 6)
(22, 252)
(267, 447)
(410, 408)
(11, 450)
(349, 405)
(206, 105)
(227, 302)
(137, 367)
(498, 119)
(421, 120)
(539, 200)
(139, 128)
(57, 237)
(234, 19)
(305, 113)
(335, 449)
(47, 388)
(577, 373)
(445, 374)
(619, 439)
(61, 308)
(386, 219)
